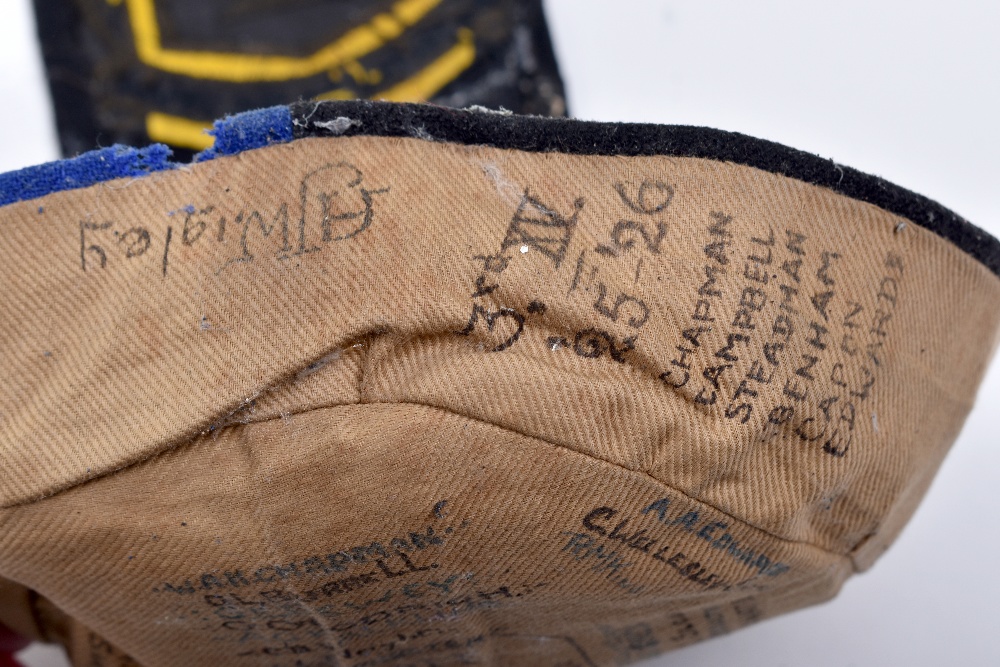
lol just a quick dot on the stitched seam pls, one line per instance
(191, 440)
(642, 473)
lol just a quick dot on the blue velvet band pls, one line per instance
(233, 134)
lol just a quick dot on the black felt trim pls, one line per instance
(538, 134)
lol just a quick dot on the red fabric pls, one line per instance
(10, 644)
(7, 660)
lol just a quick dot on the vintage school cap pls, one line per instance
(386, 384)
(140, 71)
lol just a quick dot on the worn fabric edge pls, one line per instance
(478, 126)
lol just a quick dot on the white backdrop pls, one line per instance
(909, 90)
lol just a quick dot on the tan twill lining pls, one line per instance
(381, 401)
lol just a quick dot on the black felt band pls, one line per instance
(533, 133)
